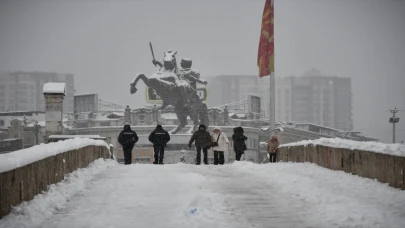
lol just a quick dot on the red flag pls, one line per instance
(265, 58)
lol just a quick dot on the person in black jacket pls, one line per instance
(159, 137)
(127, 139)
(239, 145)
(203, 141)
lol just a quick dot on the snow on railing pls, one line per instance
(377, 147)
(30, 155)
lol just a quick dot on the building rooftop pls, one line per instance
(21, 113)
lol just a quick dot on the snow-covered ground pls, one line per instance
(237, 195)
(378, 147)
(34, 212)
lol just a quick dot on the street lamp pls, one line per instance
(394, 120)
(36, 130)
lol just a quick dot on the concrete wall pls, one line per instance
(24, 183)
(382, 167)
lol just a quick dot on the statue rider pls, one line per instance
(186, 72)
(191, 75)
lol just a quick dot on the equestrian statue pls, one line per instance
(176, 87)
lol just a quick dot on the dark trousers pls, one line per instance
(219, 157)
(272, 157)
(205, 152)
(128, 156)
(238, 155)
(159, 154)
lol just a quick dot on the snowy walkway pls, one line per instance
(237, 195)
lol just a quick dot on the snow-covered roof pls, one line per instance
(7, 140)
(75, 136)
(392, 149)
(40, 123)
(85, 94)
(54, 87)
(30, 155)
(170, 116)
(21, 113)
(238, 115)
(115, 115)
(317, 125)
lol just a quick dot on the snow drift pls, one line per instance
(391, 149)
(30, 155)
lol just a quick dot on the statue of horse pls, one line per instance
(173, 91)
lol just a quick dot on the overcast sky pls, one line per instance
(104, 43)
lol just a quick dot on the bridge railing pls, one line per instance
(28, 172)
(386, 166)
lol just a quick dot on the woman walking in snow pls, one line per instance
(272, 148)
(239, 145)
(219, 144)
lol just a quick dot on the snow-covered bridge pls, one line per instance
(242, 194)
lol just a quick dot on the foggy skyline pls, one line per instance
(105, 44)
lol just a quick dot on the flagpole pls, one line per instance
(272, 104)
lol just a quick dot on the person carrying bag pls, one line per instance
(214, 144)
(219, 146)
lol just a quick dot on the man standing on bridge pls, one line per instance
(203, 141)
(159, 137)
(127, 139)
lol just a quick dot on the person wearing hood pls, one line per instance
(127, 139)
(159, 137)
(272, 147)
(239, 145)
(219, 144)
(203, 141)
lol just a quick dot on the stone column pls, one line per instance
(155, 115)
(54, 94)
(127, 115)
(226, 116)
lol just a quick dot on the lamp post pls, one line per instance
(394, 120)
(36, 130)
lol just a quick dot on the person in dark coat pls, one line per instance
(203, 141)
(127, 139)
(159, 137)
(239, 145)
